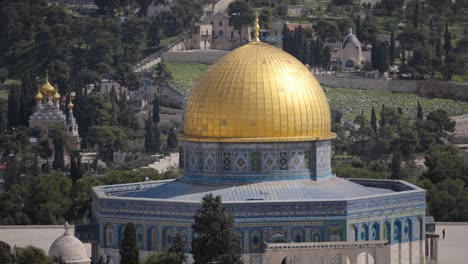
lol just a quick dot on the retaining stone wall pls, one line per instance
(199, 56)
(424, 88)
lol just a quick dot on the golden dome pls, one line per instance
(56, 96)
(39, 96)
(257, 93)
(47, 89)
(70, 105)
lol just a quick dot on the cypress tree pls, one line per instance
(75, 166)
(58, 135)
(172, 141)
(129, 251)
(391, 50)
(403, 54)
(420, 111)
(59, 160)
(416, 14)
(13, 106)
(152, 137)
(208, 246)
(447, 42)
(396, 164)
(26, 100)
(156, 103)
(373, 120)
(438, 51)
(2, 122)
(318, 52)
(383, 122)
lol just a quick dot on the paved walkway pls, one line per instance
(454, 248)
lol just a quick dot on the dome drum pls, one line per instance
(236, 163)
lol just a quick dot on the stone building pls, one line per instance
(48, 113)
(351, 55)
(257, 132)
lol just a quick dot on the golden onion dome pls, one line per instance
(56, 96)
(47, 89)
(39, 96)
(257, 93)
(70, 105)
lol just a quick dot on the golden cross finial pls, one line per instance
(47, 75)
(257, 28)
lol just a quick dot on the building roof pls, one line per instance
(257, 93)
(351, 39)
(334, 188)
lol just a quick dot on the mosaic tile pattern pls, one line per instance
(223, 162)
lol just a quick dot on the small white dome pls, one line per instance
(70, 249)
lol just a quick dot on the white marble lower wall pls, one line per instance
(407, 253)
(404, 253)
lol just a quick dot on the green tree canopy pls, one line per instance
(129, 251)
(214, 237)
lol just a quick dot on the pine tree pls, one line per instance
(420, 111)
(129, 251)
(6, 254)
(400, 110)
(373, 120)
(208, 246)
(391, 50)
(172, 141)
(156, 103)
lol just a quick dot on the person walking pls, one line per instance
(443, 233)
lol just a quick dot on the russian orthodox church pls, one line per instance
(48, 113)
(257, 132)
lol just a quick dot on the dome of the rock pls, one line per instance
(257, 93)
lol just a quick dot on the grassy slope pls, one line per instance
(186, 75)
(348, 101)
(351, 102)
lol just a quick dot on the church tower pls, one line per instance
(48, 112)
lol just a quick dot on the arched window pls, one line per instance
(375, 232)
(386, 231)
(109, 235)
(153, 239)
(349, 63)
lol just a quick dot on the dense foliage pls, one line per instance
(214, 237)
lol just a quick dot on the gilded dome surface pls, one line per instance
(56, 96)
(47, 89)
(257, 93)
